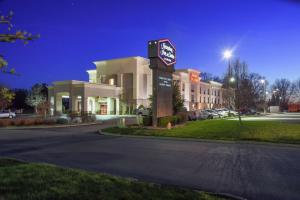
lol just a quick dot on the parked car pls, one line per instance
(230, 112)
(203, 114)
(7, 114)
(222, 112)
(213, 114)
(142, 111)
(248, 112)
(192, 116)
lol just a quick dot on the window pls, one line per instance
(208, 91)
(200, 100)
(203, 99)
(200, 90)
(193, 100)
(111, 81)
(183, 87)
(192, 88)
(103, 78)
(204, 91)
(52, 101)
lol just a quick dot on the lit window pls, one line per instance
(111, 81)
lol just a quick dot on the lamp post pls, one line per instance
(227, 55)
(263, 81)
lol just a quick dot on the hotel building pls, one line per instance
(118, 86)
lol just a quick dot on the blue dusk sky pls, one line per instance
(74, 33)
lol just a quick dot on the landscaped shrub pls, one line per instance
(73, 115)
(62, 121)
(163, 121)
(49, 121)
(147, 120)
(182, 117)
(38, 121)
(21, 122)
(5, 122)
(88, 117)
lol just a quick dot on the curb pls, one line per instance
(202, 140)
(49, 127)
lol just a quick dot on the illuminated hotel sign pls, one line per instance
(166, 52)
(162, 55)
(164, 81)
(194, 77)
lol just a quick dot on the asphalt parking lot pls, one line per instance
(252, 171)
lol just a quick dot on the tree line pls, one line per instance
(34, 99)
(248, 90)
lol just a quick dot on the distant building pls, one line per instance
(196, 93)
(118, 86)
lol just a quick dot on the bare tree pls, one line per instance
(259, 86)
(283, 90)
(295, 97)
(237, 80)
(9, 36)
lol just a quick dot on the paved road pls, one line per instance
(253, 171)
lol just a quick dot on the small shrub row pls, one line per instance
(147, 120)
(26, 122)
(62, 121)
(179, 118)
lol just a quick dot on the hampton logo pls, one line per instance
(166, 52)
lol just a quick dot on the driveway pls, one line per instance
(253, 171)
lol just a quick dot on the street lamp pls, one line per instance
(227, 54)
(232, 79)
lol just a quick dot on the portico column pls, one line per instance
(117, 106)
(84, 104)
(58, 103)
(73, 103)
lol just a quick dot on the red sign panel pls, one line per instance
(194, 77)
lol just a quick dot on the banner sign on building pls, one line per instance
(194, 77)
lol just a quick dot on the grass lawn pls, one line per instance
(221, 129)
(20, 180)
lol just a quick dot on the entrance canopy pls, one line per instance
(78, 96)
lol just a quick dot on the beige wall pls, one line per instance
(203, 99)
(136, 89)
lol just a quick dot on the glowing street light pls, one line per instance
(263, 81)
(227, 54)
(232, 79)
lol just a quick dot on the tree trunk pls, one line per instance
(240, 118)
